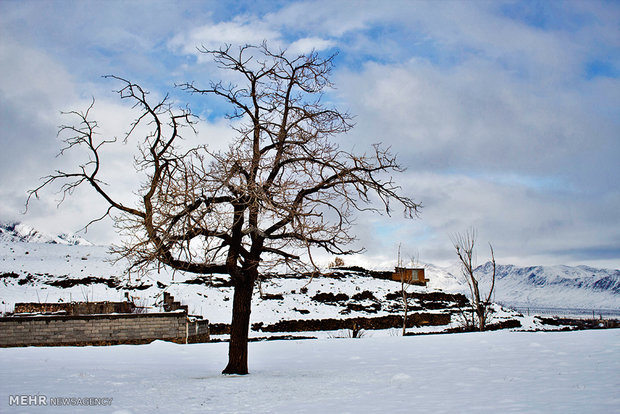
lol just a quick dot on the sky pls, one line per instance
(506, 114)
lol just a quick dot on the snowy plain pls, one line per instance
(493, 372)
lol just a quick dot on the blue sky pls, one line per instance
(506, 114)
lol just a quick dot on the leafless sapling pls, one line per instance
(481, 311)
(406, 281)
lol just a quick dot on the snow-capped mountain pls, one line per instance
(19, 232)
(555, 286)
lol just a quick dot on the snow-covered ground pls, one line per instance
(494, 372)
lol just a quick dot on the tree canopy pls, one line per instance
(282, 187)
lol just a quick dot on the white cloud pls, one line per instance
(308, 44)
(238, 32)
(26, 86)
(471, 117)
(30, 100)
(329, 18)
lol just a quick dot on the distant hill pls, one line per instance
(556, 286)
(19, 232)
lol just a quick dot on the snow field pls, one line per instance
(493, 372)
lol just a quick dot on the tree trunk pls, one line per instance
(481, 316)
(406, 306)
(477, 304)
(240, 326)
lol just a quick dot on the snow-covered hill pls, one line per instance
(19, 232)
(39, 272)
(38, 267)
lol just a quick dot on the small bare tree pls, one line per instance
(406, 281)
(282, 187)
(481, 311)
(338, 262)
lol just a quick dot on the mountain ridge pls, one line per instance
(553, 286)
(20, 232)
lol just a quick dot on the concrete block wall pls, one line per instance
(198, 330)
(95, 329)
(76, 308)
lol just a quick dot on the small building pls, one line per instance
(413, 276)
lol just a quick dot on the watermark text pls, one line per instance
(29, 400)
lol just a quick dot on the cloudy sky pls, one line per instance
(506, 114)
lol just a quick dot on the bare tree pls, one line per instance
(281, 189)
(406, 281)
(404, 286)
(464, 244)
(338, 262)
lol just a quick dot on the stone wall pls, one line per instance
(101, 329)
(330, 324)
(76, 308)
